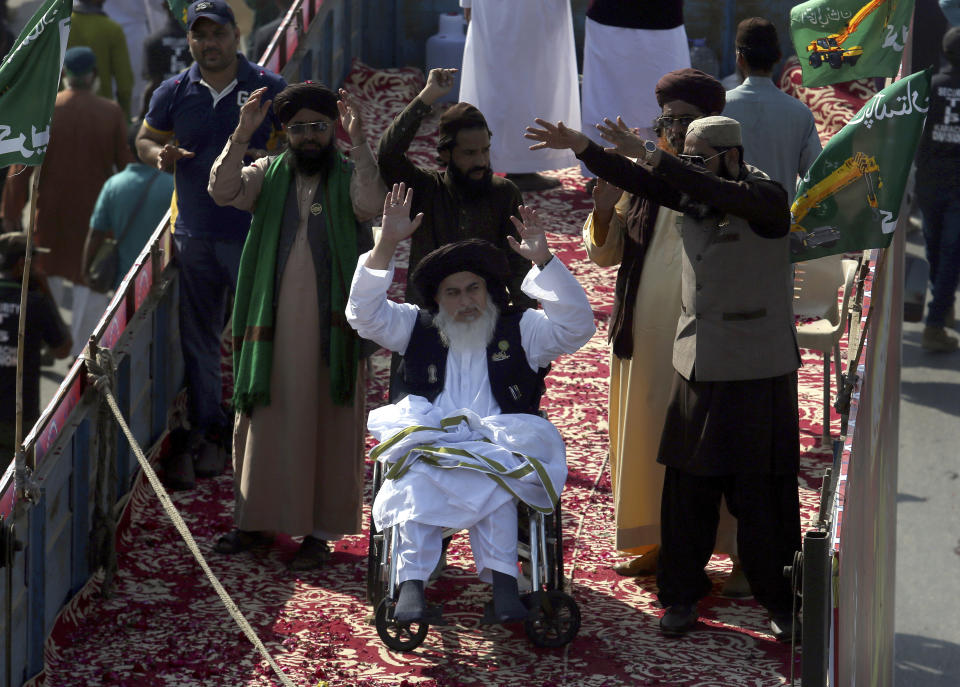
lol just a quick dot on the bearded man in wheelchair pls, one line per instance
(465, 443)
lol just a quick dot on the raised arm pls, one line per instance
(368, 310)
(566, 321)
(230, 182)
(392, 149)
(763, 203)
(613, 167)
(366, 187)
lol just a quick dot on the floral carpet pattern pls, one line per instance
(163, 626)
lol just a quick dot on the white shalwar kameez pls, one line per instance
(519, 63)
(621, 68)
(499, 457)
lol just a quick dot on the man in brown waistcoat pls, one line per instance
(732, 427)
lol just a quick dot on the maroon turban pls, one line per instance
(692, 86)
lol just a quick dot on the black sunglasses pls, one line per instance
(666, 121)
(700, 160)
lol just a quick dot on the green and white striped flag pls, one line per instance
(29, 79)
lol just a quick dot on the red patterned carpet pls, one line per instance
(164, 626)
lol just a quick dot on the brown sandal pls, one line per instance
(313, 553)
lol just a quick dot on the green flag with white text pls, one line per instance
(29, 79)
(850, 198)
(844, 40)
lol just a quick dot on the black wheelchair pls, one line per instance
(554, 617)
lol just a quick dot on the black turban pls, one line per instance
(471, 255)
(305, 96)
(692, 86)
(457, 117)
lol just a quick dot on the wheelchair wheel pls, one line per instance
(396, 636)
(554, 619)
(375, 585)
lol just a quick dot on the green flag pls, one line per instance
(29, 78)
(844, 40)
(179, 9)
(850, 198)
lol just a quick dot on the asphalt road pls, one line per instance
(928, 513)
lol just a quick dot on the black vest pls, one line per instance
(516, 388)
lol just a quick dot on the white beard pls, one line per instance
(461, 336)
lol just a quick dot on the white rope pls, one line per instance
(101, 384)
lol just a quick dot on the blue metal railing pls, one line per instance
(45, 529)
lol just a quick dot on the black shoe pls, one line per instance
(312, 554)
(533, 181)
(178, 472)
(210, 459)
(679, 619)
(507, 606)
(411, 604)
(783, 626)
(236, 541)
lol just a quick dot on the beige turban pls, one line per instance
(719, 132)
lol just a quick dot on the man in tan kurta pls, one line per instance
(299, 457)
(88, 143)
(642, 238)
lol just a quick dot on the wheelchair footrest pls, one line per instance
(433, 615)
(490, 617)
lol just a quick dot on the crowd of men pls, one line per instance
(273, 231)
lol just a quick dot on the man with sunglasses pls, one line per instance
(732, 427)
(633, 231)
(187, 124)
(298, 382)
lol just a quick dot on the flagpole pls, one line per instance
(20, 457)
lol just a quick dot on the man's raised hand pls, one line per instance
(556, 136)
(350, 118)
(439, 82)
(533, 245)
(624, 139)
(252, 114)
(397, 224)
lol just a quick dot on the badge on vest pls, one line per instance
(502, 355)
(432, 374)
(316, 209)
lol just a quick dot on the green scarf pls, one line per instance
(253, 314)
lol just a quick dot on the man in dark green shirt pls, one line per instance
(465, 200)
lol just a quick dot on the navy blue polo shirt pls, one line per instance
(187, 108)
